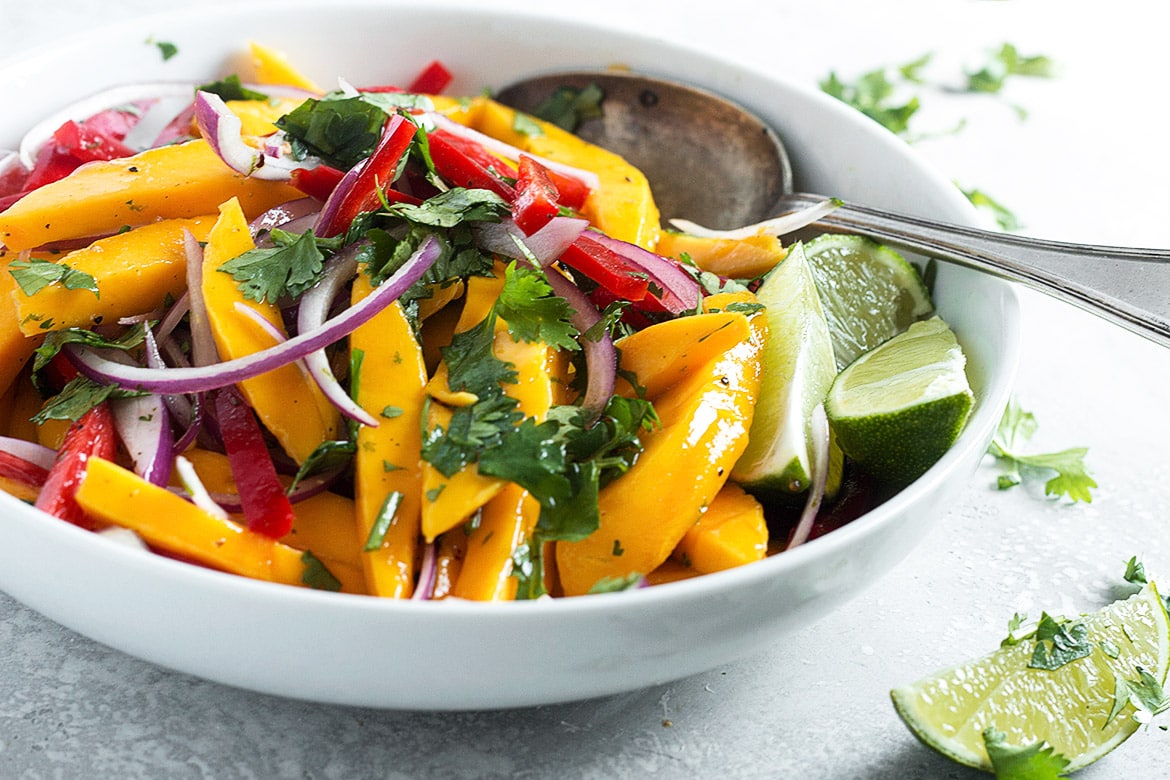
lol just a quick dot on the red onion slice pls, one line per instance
(196, 492)
(203, 349)
(144, 425)
(680, 292)
(545, 245)
(311, 314)
(819, 439)
(600, 354)
(777, 226)
(427, 571)
(36, 454)
(223, 129)
(197, 379)
(283, 215)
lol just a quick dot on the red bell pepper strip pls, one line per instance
(375, 178)
(316, 182)
(266, 507)
(606, 267)
(433, 79)
(536, 197)
(16, 470)
(73, 144)
(92, 436)
(466, 163)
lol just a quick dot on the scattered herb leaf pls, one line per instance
(1038, 761)
(1071, 480)
(35, 274)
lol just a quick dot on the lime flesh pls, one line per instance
(1067, 707)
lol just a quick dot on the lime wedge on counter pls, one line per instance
(869, 292)
(798, 371)
(1074, 707)
(897, 408)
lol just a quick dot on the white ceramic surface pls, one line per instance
(360, 650)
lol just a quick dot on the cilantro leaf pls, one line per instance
(231, 88)
(1072, 478)
(1038, 761)
(383, 521)
(1135, 572)
(532, 311)
(288, 268)
(618, 584)
(35, 274)
(316, 575)
(57, 339)
(873, 94)
(165, 48)
(1013, 637)
(1065, 643)
(77, 397)
(328, 455)
(453, 207)
(1004, 217)
(568, 107)
(342, 131)
(1004, 63)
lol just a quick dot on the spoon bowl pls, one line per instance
(713, 162)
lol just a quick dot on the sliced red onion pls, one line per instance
(36, 454)
(281, 216)
(174, 315)
(586, 177)
(194, 426)
(819, 443)
(195, 489)
(144, 425)
(600, 354)
(203, 349)
(329, 210)
(200, 378)
(223, 129)
(681, 293)
(777, 226)
(545, 245)
(306, 488)
(311, 315)
(427, 571)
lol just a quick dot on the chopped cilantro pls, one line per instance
(1013, 637)
(77, 397)
(328, 455)
(1145, 694)
(231, 88)
(288, 268)
(1004, 63)
(568, 107)
(532, 311)
(383, 521)
(390, 412)
(874, 94)
(165, 48)
(525, 125)
(453, 207)
(1038, 761)
(1004, 217)
(342, 131)
(131, 339)
(1058, 643)
(35, 274)
(316, 575)
(618, 584)
(1017, 426)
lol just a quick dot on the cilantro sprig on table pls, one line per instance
(1069, 475)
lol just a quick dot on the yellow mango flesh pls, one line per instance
(258, 117)
(392, 376)
(269, 66)
(623, 207)
(744, 258)
(136, 272)
(15, 346)
(685, 462)
(180, 181)
(168, 522)
(730, 533)
(506, 524)
(288, 403)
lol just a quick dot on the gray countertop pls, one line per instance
(1088, 162)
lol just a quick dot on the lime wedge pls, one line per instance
(798, 370)
(869, 292)
(1069, 707)
(896, 409)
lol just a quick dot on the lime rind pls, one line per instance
(1068, 707)
(869, 292)
(799, 368)
(898, 408)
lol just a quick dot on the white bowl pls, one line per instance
(367, 651)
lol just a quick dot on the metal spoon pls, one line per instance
(715, 163)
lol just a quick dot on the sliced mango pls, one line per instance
(180, 181)
(392, 389)
(136, 272)
(270, 66)
(730, 533)
(258, 117)
(744, 258)
(168, 522)
(685, 462)
(15, 346)
(290, 405)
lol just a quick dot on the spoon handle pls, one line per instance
(1130, 287)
